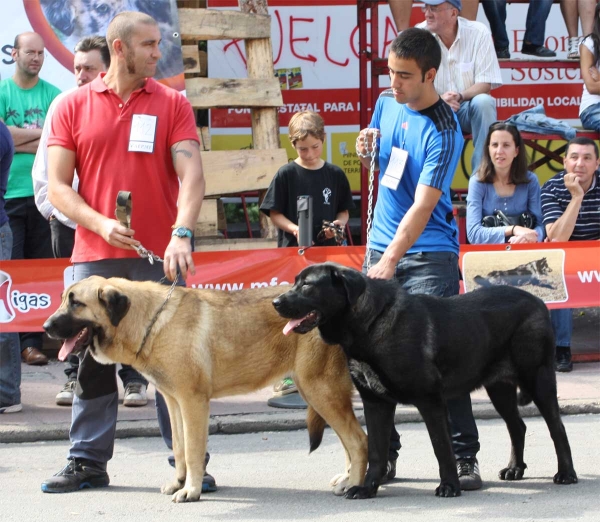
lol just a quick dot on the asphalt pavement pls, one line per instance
(271, 477)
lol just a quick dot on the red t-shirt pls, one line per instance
(95, 123)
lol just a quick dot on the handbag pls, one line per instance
(500, 219)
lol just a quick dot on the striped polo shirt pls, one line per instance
(556, 197)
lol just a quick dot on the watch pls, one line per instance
(182, 232)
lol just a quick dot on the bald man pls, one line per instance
(24, 101)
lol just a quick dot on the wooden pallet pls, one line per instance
(234, 172)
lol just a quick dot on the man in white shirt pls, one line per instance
(469, 69)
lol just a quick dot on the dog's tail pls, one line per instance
(482, 281)
(523, 398)
(316, 426)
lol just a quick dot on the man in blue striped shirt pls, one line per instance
(571, 209)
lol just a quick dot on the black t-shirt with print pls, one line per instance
(328, 186)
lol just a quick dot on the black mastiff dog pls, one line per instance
(421, 350)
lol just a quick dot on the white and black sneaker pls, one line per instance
(135, 395)
(65, 396)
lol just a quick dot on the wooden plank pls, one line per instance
(211, 218)
(191, 58)
(265, 121)
(210, 24)
(205, 93)
(213, 245)
(235, 171)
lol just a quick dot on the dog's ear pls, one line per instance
(353, 281)
(116, 303)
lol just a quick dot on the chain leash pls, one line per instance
(370, 153)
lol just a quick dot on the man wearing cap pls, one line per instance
(469, 69)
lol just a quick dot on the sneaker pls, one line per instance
(573, 48)
(10, 408)
(135, 395)
(77, 474)
(537, 50)
(503, 53)
(563, 362)
(468, 474)
(390, 472)
(285, 387)
(209, 484)
(65, 396)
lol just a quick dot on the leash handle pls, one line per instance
(123, 211)
(123, 208)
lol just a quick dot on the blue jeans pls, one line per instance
(436, 273)
(562, 324)
(535, 24)
(475, 117)
(10, 350)
(590, 117)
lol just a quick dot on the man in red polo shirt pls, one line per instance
(122, 131)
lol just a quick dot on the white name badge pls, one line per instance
(143, 133)
(395, 169)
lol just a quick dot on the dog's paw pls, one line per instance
(447, 490)
(512, 473)
(187, 494)
(339, 483)
(566, 477)
(360, 492)
(171, 487)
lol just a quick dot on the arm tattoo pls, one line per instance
(179, 148)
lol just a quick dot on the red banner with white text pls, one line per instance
(564, 275)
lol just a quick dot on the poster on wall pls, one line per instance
(316, 58)
(62, 23)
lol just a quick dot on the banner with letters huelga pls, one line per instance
(564, 275)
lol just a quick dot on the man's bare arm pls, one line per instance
(562, 228)
(61, 168)
(410, 228)
(188, 165)
(22, 137)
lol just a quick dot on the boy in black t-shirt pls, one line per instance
(307, 175)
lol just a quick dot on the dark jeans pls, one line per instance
(535, 24)
(436, 273)
(127, 373)
(63, 238)
(31, 240)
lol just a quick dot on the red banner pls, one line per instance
(564, 275)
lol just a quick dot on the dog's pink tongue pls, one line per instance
(67, 348)
(291, 325)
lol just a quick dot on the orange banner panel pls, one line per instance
(564, 275)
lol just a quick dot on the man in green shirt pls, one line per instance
(24, 100)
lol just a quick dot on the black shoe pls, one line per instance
(390, 472)
(537, 50)
(563, 361)
(503, 53)
(468, 474)
(209, 485)
(77, 474)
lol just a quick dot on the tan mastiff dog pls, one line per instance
(196, 345)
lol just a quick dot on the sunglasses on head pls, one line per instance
(510, 124)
